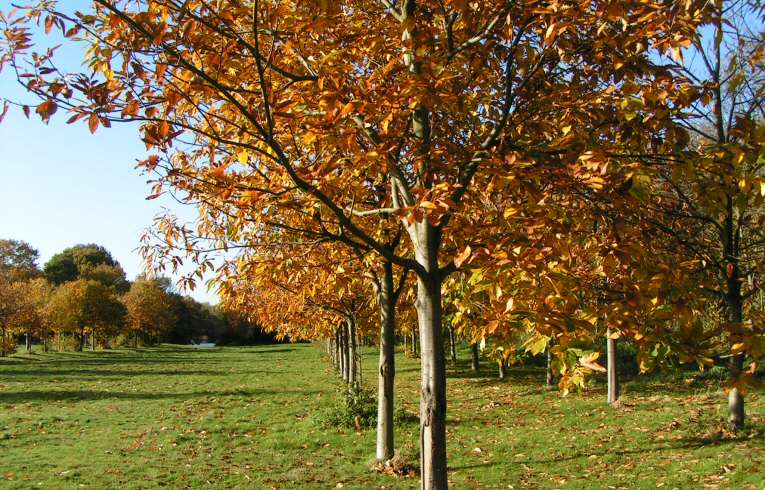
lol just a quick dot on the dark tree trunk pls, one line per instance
(344, 353)
(28, 342)
(81, 346)
(612, 369)
(453, 345)
(415, 345)
(474, 365)
(735, 317)
(387, 367)
(502, 365)
(550, 375)
(736, 410)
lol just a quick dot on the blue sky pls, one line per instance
(60, 185)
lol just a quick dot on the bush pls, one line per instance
(352, 408)
(8, 345)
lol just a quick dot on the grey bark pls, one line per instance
(344, 353)
(453, 345)
(550, 375)
(387, 367)
(352, 361)
(426, 239)
(433, 385)
(735, 316)
(611, 368)
(501, 368)
(474, 364)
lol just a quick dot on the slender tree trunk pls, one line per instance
(415, 347)
(735, 316)
(550, 377)
(93, 341)
(433, 385)
(354, 375)
(612, 369)
(338, 353)
(475, 366)
(82, 340)
(2, 348)
(387, 367)
(344, 352)
(28, 342)
(501, 368)
(453, 345)
(406, 351)
(736, 410)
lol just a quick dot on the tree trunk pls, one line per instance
(736, 412)
(2, 347)
(735, 316)
(355, 355)
(93, 341)
(611, 368)
(387, 367)
(82, 340)
(453, 345)
(474, 366)
(550, 374)
(28, 342)
(415, 352)
(501, 368)
(352, 374)
(433, 384)
(344, 352)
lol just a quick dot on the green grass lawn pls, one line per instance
(246, 418)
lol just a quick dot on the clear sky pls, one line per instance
(60, 185)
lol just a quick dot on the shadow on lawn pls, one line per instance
(78, 395)
(52, 372)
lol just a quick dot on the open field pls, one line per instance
(245, 418)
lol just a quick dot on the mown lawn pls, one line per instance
(246, 418)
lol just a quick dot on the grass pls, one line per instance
(246, 417)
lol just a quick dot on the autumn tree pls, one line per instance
(704, 196)
(82, 306)
(369, 110)
(18, 260)
(150, 312)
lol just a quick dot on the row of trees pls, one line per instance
(534, 175)
(82, 294)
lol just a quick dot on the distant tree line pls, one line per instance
(81, 299)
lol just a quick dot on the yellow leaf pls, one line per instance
(461, 258)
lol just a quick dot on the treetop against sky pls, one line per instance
(62, 186)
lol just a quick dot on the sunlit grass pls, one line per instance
(245, 417)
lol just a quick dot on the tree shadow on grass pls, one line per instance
(40, 374)
(89, 395)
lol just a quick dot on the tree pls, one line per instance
(11, 306)
(81, 306)
(73, 261)
(18, 260)
(421, 98)
(109, 275)
(150, 311)
(704, 195)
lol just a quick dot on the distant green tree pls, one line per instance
(18, 260)
(108, 275)
(74, 261)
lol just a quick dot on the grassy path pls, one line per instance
(245, 418)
